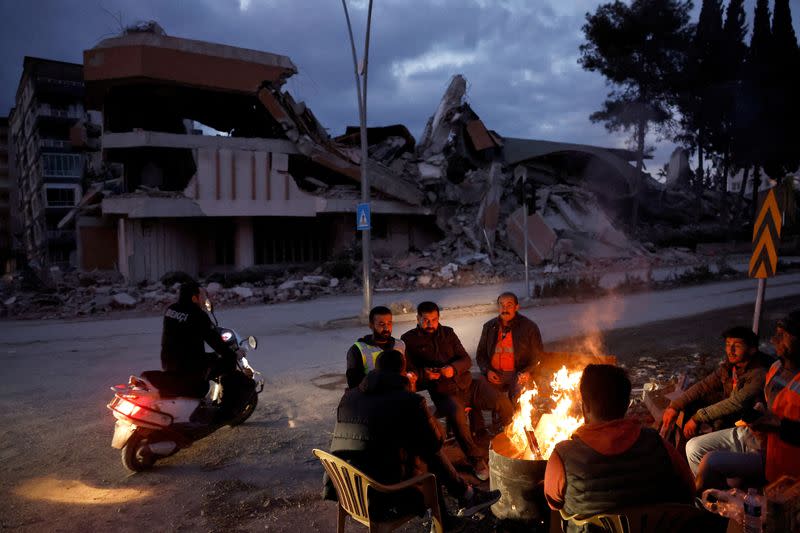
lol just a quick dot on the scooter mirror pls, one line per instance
(208, 305)
(252, 341)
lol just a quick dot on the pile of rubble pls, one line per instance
(75, 294)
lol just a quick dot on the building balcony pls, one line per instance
(70, 113)
(55, 144)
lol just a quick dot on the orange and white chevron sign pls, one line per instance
(766, 235)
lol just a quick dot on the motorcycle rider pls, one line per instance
(186, 328)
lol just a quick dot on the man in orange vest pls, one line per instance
(510, 347)
(779, 426)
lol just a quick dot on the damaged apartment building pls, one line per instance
(274, 189)
(46, 170)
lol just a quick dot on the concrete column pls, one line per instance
(122, 249)
(245, 249)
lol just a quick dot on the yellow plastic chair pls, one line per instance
(655, 518)
(352, 488)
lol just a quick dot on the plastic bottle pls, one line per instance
(753, 512)
(725, 503)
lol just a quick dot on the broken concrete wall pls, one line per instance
(437, 131)
(149, 248)
(541, 238)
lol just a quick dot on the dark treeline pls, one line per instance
(734, 104)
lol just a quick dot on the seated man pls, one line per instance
(364, 352)
(510, 347)
(723, 397)
(382, 428)
(612, 462)
(439, 361)
(779, 425)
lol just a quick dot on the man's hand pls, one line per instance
(412, 378)
(523, 378)
(240, 353)
(492, 376)
(448, 371)
(690, 428)
(432, 374)
(668, 418)
(767, 423)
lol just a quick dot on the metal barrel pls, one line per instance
(518, 481)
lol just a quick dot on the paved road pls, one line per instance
(55, 449)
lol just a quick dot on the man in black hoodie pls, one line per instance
(383, 429)
(187, 328)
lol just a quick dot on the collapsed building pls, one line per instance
(173, 194)
(275, 189)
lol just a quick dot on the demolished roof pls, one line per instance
(517, 150)
(311, 139)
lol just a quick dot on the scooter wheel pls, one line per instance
(246, 411)
(136, 456)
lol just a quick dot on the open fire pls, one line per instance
(542, 421)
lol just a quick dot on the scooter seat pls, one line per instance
(173, 384)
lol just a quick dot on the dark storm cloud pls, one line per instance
(519, 57)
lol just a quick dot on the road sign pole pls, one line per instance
(520, 175)
(762, 288)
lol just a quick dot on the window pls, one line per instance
(62, 165)
(60, 197)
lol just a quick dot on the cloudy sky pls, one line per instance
(519, 56)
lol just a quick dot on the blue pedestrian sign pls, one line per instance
(362, 217)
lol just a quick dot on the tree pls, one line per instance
(734, 31)
(784, 102)
(699, 100)
(733, 53)
(640, 50)
(754, 111)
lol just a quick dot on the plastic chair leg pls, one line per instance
(342, 518)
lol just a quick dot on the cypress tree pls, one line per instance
(784, 101)
(756, 147)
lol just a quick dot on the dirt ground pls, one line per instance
(60, 474)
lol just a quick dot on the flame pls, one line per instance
(549, 428)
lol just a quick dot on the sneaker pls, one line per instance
(479, 500)
(481, 469)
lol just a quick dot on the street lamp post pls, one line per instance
(361, 92)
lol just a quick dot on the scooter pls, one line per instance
(154, 420)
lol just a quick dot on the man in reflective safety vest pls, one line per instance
(780, 424)
(362, 355)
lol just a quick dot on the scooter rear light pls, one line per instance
(139, 413)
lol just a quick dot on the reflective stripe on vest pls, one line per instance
(783, 458)
(375, 351)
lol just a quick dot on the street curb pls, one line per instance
(460, 311)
